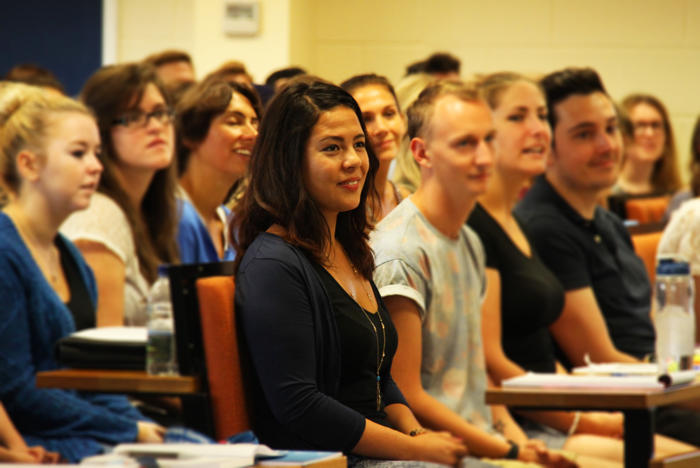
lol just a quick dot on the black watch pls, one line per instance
(514, 451)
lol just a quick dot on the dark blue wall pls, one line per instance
(64, 36)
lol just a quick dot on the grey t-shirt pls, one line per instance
(445, 278)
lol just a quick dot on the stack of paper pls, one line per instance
(188, 455)
(198, 455)
(583, 381)
(607, 375)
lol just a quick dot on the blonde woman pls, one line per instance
(386, 126)
(49, 147)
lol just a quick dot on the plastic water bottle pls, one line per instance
(160, 350)
(675, 316)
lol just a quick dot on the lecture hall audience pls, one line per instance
(305, 193)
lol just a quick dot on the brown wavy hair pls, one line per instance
(109, 93)
(665, 176)
(276, 193)
(198, 108)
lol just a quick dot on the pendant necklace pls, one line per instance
(380, 358)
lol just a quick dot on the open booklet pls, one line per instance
(186, 454)
(611, 375)
(190, 455)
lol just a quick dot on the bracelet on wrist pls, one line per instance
(574, 424)
(513, 452)
(417, 432)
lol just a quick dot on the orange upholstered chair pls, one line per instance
(647, 209)
(216, 311)
(197, 409)
(646, 240)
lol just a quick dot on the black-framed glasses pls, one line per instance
(653, 125)
(139, 119)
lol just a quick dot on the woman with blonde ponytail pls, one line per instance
(49, 168)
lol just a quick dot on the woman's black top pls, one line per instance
(358, 381)
(532, 298)
(79, 304)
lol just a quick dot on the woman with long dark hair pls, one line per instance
(319, 340)
(129, 228)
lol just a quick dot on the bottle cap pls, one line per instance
(672, 266)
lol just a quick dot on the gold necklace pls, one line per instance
(50, 261)
(380, 358)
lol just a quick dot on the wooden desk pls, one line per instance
(117, 381)
(196, 408)
(636, 404)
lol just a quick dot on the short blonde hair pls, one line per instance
(493, 85)
(25, 113)
(421, 111)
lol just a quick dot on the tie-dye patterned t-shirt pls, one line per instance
(445, 278)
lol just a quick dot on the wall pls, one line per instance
(196, 26)
(636, 45)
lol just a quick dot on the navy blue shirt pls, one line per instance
(595, 253)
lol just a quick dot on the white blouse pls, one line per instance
(104, 222)
(682, 235)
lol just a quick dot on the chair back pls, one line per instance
(188, 330)
(216, 312)
(645, 240)
(188, 337)
(648, 209)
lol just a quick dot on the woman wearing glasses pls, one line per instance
(129, 228)
(650, 165)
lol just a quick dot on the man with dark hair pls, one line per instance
(608, 296)
(608, 293)
(174, 67)
(35, 75)
(441, 65)
(279, 78)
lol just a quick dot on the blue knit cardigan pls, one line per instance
(32, 319)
